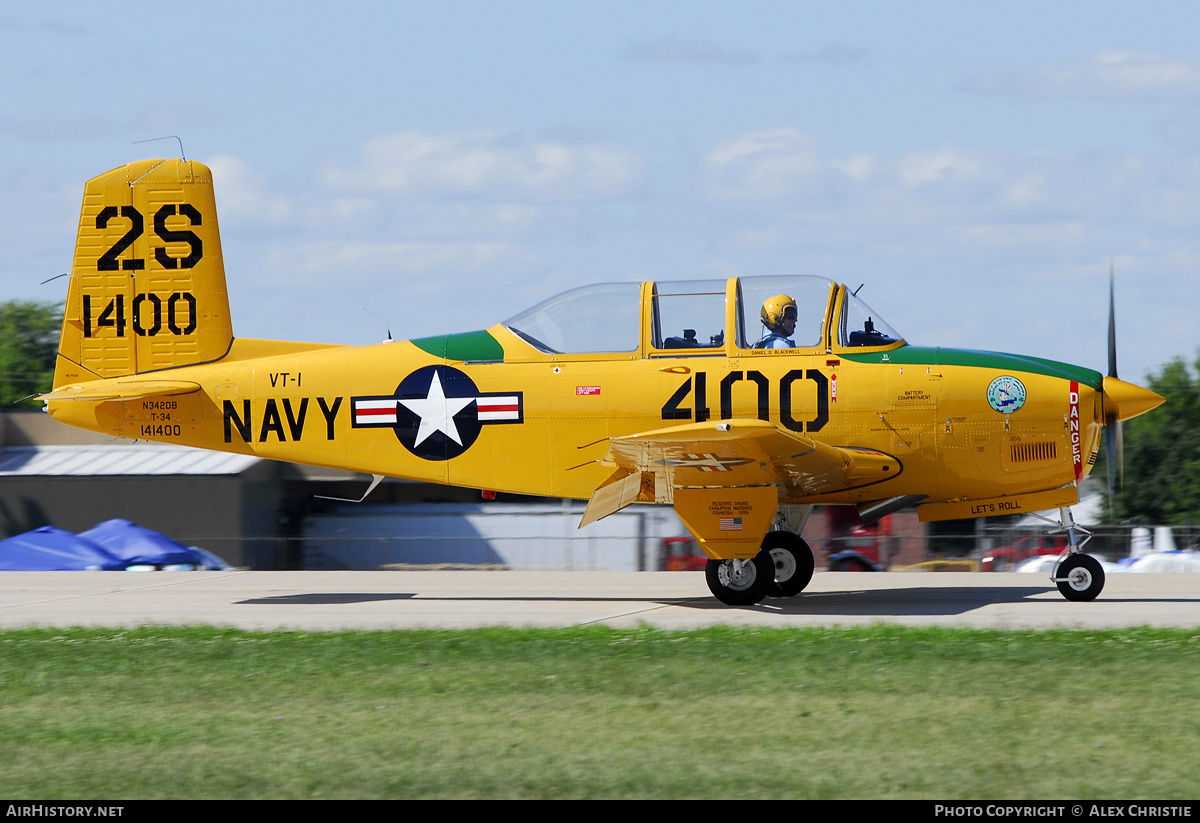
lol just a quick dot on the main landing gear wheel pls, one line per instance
(741, 582)
(793, 561)
(1080, 577)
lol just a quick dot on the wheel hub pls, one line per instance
(1079, 579)
(737, 574)
(785, 564)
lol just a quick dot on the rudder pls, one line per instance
(147, 285)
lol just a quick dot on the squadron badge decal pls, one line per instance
(1006, 394)
(437, 412)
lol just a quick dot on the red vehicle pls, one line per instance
(681, 554)
(848, 536)
(998, 560)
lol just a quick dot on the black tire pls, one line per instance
(740, 584)
(1080, 577)
(793, 561)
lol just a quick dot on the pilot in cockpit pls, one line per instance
(779, 315)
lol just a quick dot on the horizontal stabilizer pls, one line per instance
(122, 390)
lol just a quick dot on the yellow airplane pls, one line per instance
(663, 392)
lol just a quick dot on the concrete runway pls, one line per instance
(316, 601)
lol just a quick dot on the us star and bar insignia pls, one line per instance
(437, 412)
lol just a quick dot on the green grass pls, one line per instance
(746, 713)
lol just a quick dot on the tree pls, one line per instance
(28, 347)
(1162, 454)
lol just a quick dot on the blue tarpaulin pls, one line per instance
(52, 549)
(138, 546)
(114, 545)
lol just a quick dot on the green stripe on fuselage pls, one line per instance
(929, 356)
(471, 345)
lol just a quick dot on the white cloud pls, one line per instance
(241, 193)
(490, 164)
(786, 204)
(1027, 189)
(857, 167)
(764, 164)
(1039, 234)
(786, 163)
(937, 166)
(357, 259)
(1106, 74)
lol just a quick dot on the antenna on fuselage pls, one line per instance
(856, 291)
(375, 480)
(385, 323)
(167, 137)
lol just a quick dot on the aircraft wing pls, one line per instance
(731, 454)
(134, 389)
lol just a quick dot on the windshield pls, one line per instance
(862, 327)
(600, 318)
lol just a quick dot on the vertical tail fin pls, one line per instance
(148, 283)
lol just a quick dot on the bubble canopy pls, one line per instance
(693, 315)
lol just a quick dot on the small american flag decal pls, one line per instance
(731, 524)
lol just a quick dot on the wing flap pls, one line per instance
(615, 493)
(750, 453)
(731, 454)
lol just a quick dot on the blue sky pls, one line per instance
(445, 165)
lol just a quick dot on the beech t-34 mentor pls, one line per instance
(663, 392)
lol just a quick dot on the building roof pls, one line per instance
(132, 460)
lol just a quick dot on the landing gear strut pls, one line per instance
(1079, 576)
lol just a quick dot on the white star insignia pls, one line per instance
(437, 412)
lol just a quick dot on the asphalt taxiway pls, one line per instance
(321, 601)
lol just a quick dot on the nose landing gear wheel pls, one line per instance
(1079, 577)
(740, 582)
(793, 561)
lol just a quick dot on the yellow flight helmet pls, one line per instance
(777, 309)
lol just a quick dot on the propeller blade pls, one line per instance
(1116, 394)
(1120, 438)
(1110, 454)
